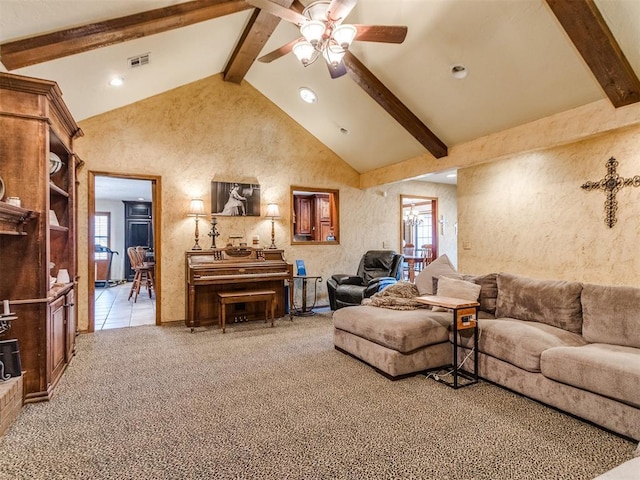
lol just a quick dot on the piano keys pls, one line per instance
(234, 269)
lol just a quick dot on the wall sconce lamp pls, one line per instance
(273, 212)
(196, 210)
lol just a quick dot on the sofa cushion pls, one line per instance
(609, 370)
(440, 266)
(454, 288)
(520, 342)
(611, 315)
(554, 302)
(404, 331)
(488, 288)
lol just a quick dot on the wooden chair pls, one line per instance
(409, 250)
(428, 254)
(143, 272)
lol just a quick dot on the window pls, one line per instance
(102, 233)
(424, 231)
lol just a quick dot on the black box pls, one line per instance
(10, 357)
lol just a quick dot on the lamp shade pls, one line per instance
(272, 211)
(304, 51)
(344, 35)
(313, 31)
(333, 55)
(196, 208)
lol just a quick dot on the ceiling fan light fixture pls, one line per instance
(313, 31)
(344, 35)
(333, 55)
(317, 10)
(304, 52)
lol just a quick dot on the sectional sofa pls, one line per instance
(570, 345)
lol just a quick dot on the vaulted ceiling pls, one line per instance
(526, 59)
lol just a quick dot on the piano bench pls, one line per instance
(226, 298)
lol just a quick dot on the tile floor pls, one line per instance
(113, 310)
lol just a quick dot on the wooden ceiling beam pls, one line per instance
(261, 27)
(392, 104)
(591, 35)
(51, 46)
(255, 36)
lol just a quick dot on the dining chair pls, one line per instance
(143, 272)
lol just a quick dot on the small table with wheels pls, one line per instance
(465, 316)
(304, 310)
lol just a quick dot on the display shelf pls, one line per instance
(13, 219)
(57, 190)
(35, 121)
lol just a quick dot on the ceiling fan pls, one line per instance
(323, 33)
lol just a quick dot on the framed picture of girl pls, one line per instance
(235, 199)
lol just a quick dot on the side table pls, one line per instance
(304, 310)
(465, 316)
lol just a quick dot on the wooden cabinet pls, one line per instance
(57, 337)
(138, 227)
(72, 323)
(324, 227)
(34, 121)
(312, 217)
(304, 219)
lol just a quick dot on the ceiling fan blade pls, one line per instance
(338, 70)
(339, 9)
(279, 11)
(278, 52)
(381, 33)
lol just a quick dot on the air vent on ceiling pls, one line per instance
(139, 60)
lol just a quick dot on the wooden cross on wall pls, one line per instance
(611, 184)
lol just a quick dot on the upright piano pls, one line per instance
(234, 269)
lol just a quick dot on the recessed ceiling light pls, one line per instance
(452, 175)
(141, 199)
(459, 71)
(344, 131)
(307, 95)
(116, 81)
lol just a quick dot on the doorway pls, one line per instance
(123, 212)
(418, 233)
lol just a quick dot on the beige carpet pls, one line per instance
(280, 403)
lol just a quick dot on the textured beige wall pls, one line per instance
(528, 215)
(214, 130)
(574, 125)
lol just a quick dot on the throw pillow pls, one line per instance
(440, 266)
(488, 292)
(554, 302)
(454, 288)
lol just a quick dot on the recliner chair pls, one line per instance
(377, 269)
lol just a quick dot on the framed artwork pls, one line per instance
(235, 199)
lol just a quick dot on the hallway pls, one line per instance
(113, 310)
